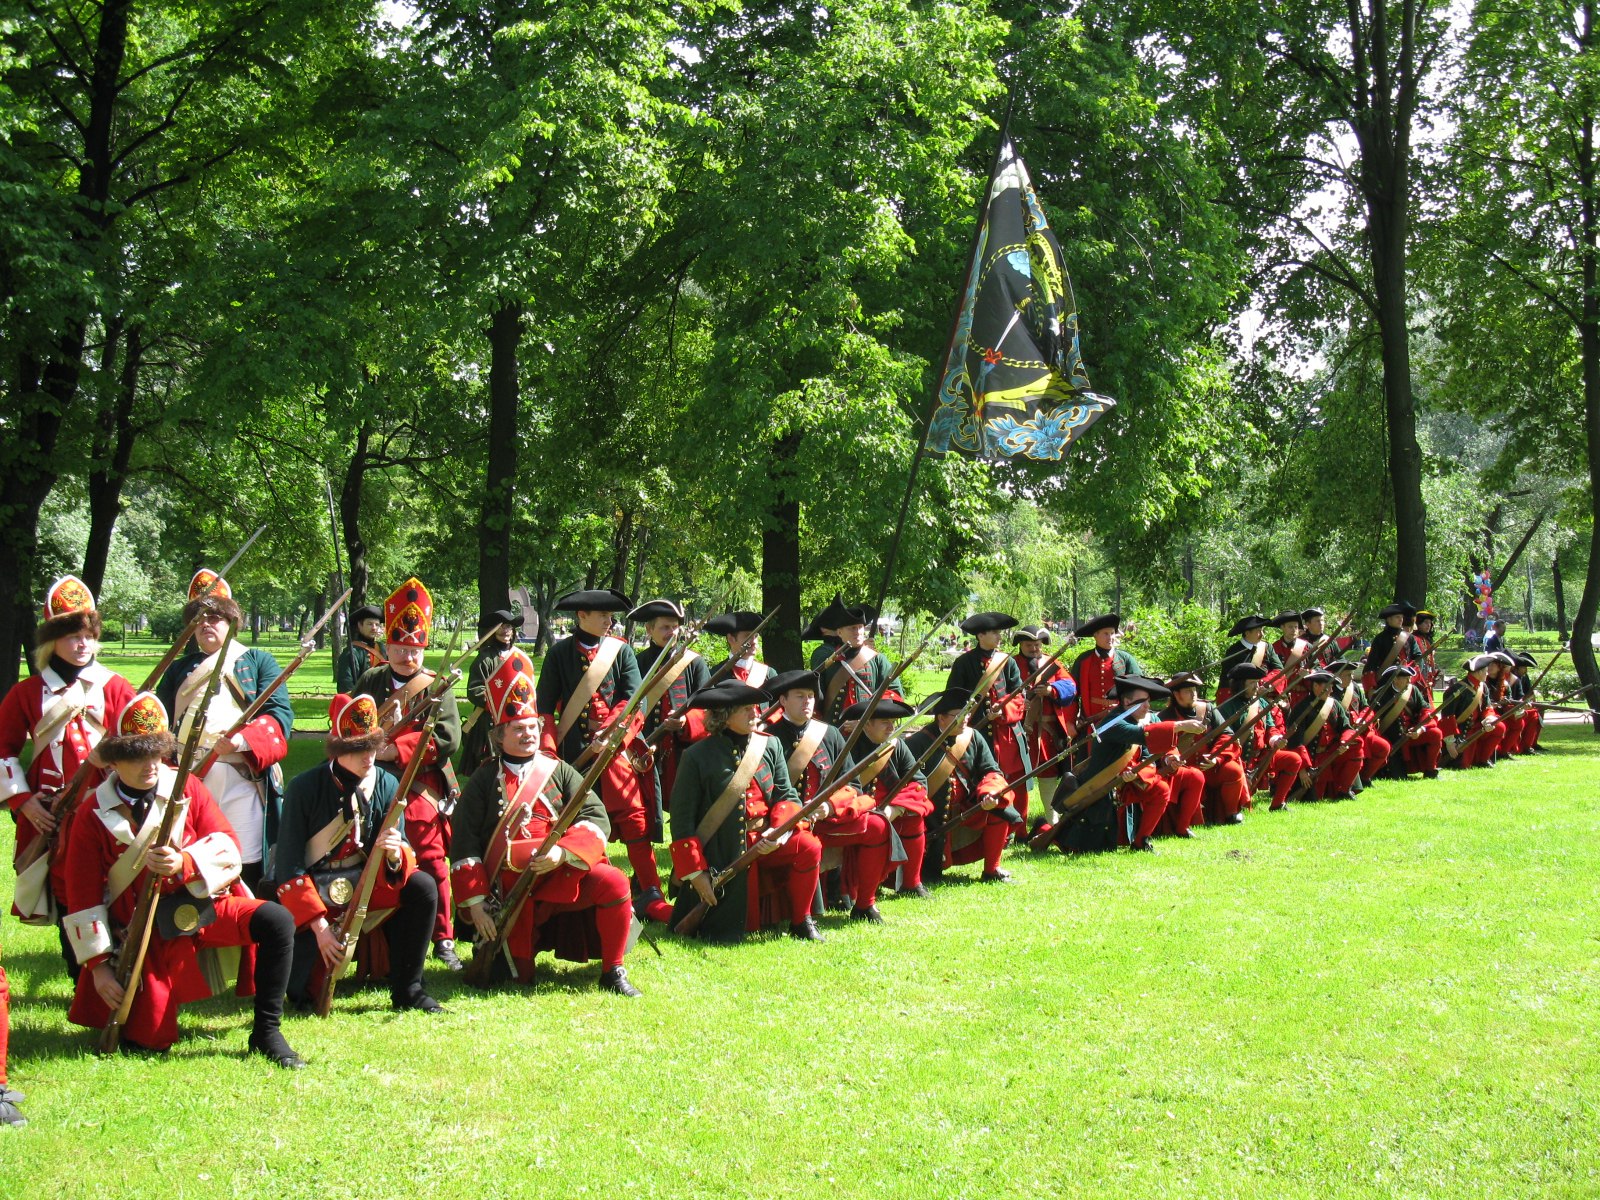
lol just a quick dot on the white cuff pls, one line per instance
(216, 858)
(13, 779)
(89, 932)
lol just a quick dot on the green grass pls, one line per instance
(1391, 997)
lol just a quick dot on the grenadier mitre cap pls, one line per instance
(509, 692)
(408, 614)
(205, 578)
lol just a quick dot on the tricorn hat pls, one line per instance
(500, 616)
(1311, 612)
(739, 621)
(1287, 616)
(1031, 633)
(887, 707)
(1320, 677)
(988, 622)
(790, 680)
(594, 600)
(1092, 627)
(1186, 679)
(1143, 683)
(1245, 624)
(1398, 609)
(839, 615)
(948, 701)
(367, 612)
(651, 609)
(1246, 671)
(731, 694)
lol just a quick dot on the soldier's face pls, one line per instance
(880, 729)
(1105, 638)
(594, 623)
(988, 639)
(945, 719)
(520, 738)
(76, 648)
(1030, 647)
(742, 645)
(743, 718)
(211, 632)
(369, 629)
(1290, 630)
(852, 635)
(1314, 627)
(404, 660)
(799, 704)
(661, 629)
(358, 762)
(138, 774)
(1184, 697)
(1321, 689)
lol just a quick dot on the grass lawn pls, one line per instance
(1391, 997)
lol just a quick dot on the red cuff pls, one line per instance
(781, 812)
(1015, 709)
(469, 881)
(992, 784)
(1161, 737)
(585, 845)
(300, 897)
(849, 801)
(547, 735)
(913, 797)
(694, 725)
(688, 857)
(264, 744)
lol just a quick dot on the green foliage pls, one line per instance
(1170, 639)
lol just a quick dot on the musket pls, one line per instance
(1020, 781)
(1515, 711)
(478, 972)
(1027, 685)
(677, 646)
(725, 667)
(1042, 839)
(307, 645)
(443, 681)
(355, 916)
(1339, 751)
(877, 695)
(136, 941)
(691, 920)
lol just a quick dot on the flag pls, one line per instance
(1013, 382)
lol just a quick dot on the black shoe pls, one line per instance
(1143, 844)
(1430, 774)
(10, 1114)
(271, 1045)
(870, 914)
(994, 877)
(915, 892)
(805, 930)
(616, 980)
(445, 951)
(1236, 819)
(417, 1001)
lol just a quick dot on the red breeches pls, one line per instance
(1227, 791)
(604, 889)
(1532, 726)
(631, 827)
(914, 837)
(793, 866)
(1152, 799)
(1186, 798)
(428, 833)
(866, 855)
(1422, 752)
(1376, 751)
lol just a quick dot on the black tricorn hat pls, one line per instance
(790, 680)
(1320, 677)
(1246, 671)
(1398, 669)
(1245, 624)
(1527, 660)
(497, 618)
(731, 694)
(1090, 628)
(838, 614)
(594, 600)
(988, 622)
(1313, 611)
(367, 612)
(948, 701)
(651, 609)
(1286, 616)
(1031, 633)
(1186, 679)
(739, 621)
(1339, 665)
(1398, 609)
(887, 707)
(1127, 683)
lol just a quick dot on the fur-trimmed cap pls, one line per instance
(218, 599)
(141, 731)
(68, 608)
(353, 725)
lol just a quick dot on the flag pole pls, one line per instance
(944, 369)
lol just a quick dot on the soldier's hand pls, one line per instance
(1192, 725)
(107, 987)
(388, 753)
(478, 914)
(893, 813)
(765, 844)
(546, 862)
(1128, 776)
(989, 803)
(391, 844)
(328, 945)
(672, 724)
(1275, 740)
(38, 814)
(824, 811)
(165, 861)
(702, 888)
(1042, 691)
(995, 713)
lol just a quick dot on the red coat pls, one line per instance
(172, 974)
(102, 694)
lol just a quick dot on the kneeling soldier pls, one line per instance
(732, 790)
(202, 908)
(331, 818)
(965, 766)
(579, 908)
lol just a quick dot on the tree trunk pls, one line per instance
(1583, 619)
(114, 440)
(621, 551)
(780, 564)
(1561, 597)
(355, 546)
(500, 474)
(319, 605)
(1188, 572)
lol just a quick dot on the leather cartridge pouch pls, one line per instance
(183, 914)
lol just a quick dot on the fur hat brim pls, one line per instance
(137, 746)
(59, 627)
(373, 741)
(224, 606)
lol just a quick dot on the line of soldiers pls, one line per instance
(780, 795)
